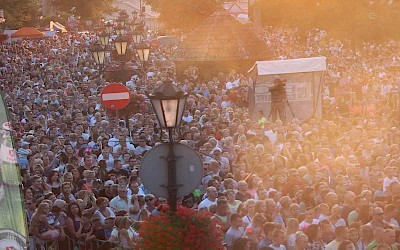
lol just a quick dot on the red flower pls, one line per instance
(185, 229)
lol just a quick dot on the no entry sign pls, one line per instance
(115, 96)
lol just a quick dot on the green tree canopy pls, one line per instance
(355, 19)
(87, 9)
(183, 14)
(20, 13)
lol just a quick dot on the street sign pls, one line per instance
(115, 96)
(154, 170)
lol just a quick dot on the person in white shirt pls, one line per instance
(105, 155)
(142, 147)
(309, 219)
(301, 241)
(122, 201)
(212, 196)
(389, 178)
(187, 117)
(390, 213)
(235, 231)
(342, 233)
(124, 143)
(278, 240)
(232, 83)
(226, 103)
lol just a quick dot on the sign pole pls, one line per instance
(117, 117)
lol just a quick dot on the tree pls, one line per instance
(20, 13)
(355, 20)
(183, 14)
(87, 10)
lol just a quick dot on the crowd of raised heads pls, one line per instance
(321, 183)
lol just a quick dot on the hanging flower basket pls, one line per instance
(184, 230)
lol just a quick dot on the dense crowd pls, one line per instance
(328, 183)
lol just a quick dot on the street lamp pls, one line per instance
(169, 103)
(104, 39)
(2, 19)
(119, 30)
(134, 15)
(137, 36)
(123, 16)
(121, 21)
(132, 26)
(120, 44)
(143, 51)
(99, 55)
(109, 27)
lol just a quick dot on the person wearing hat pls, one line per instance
(108, 190)
(23, 153)
(58, 209)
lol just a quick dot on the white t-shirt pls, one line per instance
(281, 247)
(387, 181)
(333, 245)
(233, 234)
(206, 203)
(102, 217)
(188, 118)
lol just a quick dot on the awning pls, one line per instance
(290, 66)
(27, 32)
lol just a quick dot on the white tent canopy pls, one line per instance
(304, 78)
(299, 65)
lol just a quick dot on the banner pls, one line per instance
(13, 228)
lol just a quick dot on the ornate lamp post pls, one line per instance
(121, 21)
(121, 44)
(104, 39)
(169, 103)
(99, 55)
(143, 51)
(132, 26)
(123, 16)
(134, 15)
(137, 36)
(109, 27)
(2, 20)
(120, 30)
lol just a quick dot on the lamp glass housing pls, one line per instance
(120, 46)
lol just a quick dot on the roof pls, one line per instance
(289, 66)
(222, 38)
(27, 32)
(236, 7)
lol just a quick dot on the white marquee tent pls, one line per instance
(303, 89)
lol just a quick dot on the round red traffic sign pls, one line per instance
(115, 96)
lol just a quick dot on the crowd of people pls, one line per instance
(323, 183)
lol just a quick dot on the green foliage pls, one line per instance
(87, 10)
(20, 13)
(183, 14)
(356, 19)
